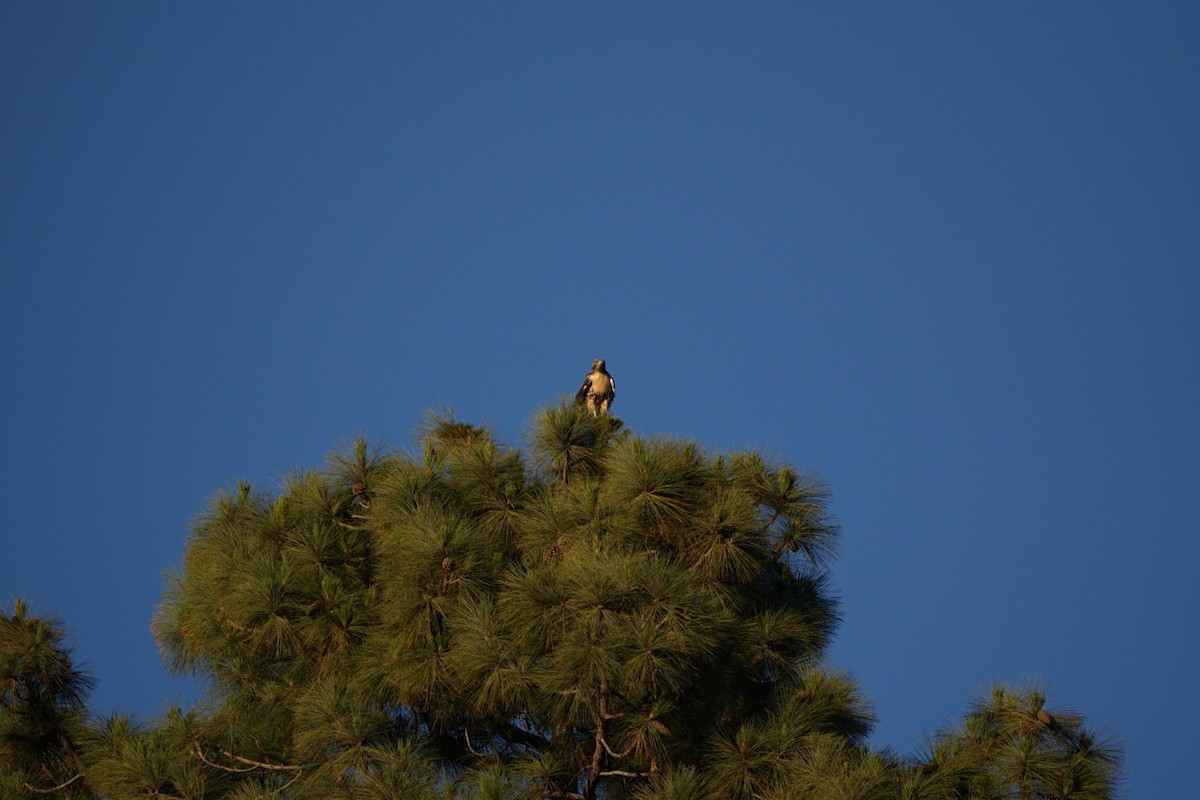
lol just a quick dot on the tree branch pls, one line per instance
(260, 765)
(200, 755)
(517, 735)
(54, 789)
(613, 753)
(467, 734)
(622, 773)
(251, 765)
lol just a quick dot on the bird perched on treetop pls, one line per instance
(598, 389)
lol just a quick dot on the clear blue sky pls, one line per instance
(945, 254)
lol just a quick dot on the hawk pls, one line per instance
(598, 390)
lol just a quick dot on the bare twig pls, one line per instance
(53, 789)
(260, 765)
(470, 747)
(613, 753)
(200, 755)
(251, 765)
(621, 773)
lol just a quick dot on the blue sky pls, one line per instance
(944, 254)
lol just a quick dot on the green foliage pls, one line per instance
(608, 616)
(42, 697)
(1010, 741)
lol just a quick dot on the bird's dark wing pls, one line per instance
(582, 394)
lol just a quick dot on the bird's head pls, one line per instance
(598, 364)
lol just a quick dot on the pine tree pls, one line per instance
(605, 616)
(42, 712)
